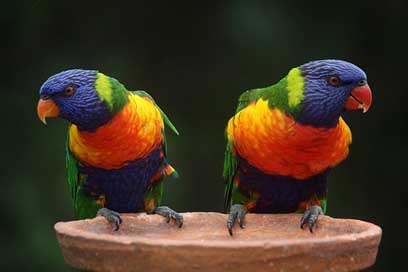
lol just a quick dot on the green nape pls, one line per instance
(286, 95)
(112, 92)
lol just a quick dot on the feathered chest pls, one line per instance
(131, 134)
(276, 144)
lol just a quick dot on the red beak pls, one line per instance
(360, 98)
(47, 108)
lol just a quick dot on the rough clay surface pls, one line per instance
(267, 243)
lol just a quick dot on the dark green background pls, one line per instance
(195, 59)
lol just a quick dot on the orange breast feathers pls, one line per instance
(132, 133)
(276, 144)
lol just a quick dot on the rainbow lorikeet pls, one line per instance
(116, 147)
(284, 139)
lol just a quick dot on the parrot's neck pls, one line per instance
(320, 114)
(286, 95)
(109, 99)
(275, 143)
(132, 133)
(301, 100)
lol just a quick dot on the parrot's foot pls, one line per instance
(111, 216)
(237, 213)
(169, 214)
(310, 217)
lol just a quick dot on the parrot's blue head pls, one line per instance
(83, 97)
(330, 87)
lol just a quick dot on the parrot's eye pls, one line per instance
(44, 97)
(69, 91)
(334, 80)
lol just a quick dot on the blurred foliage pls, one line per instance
(195, 58)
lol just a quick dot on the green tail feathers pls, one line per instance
(230, 162)
(230, 168)
(168, 122)
(175, 174)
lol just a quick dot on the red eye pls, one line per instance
(69, 91)
(334, 80)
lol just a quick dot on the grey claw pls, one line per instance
(230, 222)
(111, 216)
(240, 222)
(310, 217)
(179, 220)
(169, 214)
(237, 213)
(304, 218)
(230, 231)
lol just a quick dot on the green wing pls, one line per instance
(165, 118)
(248, 97)
(230, 169)
(230, 160)
(84, 207)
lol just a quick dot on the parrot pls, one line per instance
(284, 140)
(116, 156)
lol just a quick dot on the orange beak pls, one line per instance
(360, 98)
(47, 108)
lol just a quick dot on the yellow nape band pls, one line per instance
(295, 87)
(104, 89)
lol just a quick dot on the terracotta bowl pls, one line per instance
(267, 243)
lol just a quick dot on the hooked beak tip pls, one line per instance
(47, 108)
(43, 120)
(360, 99)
